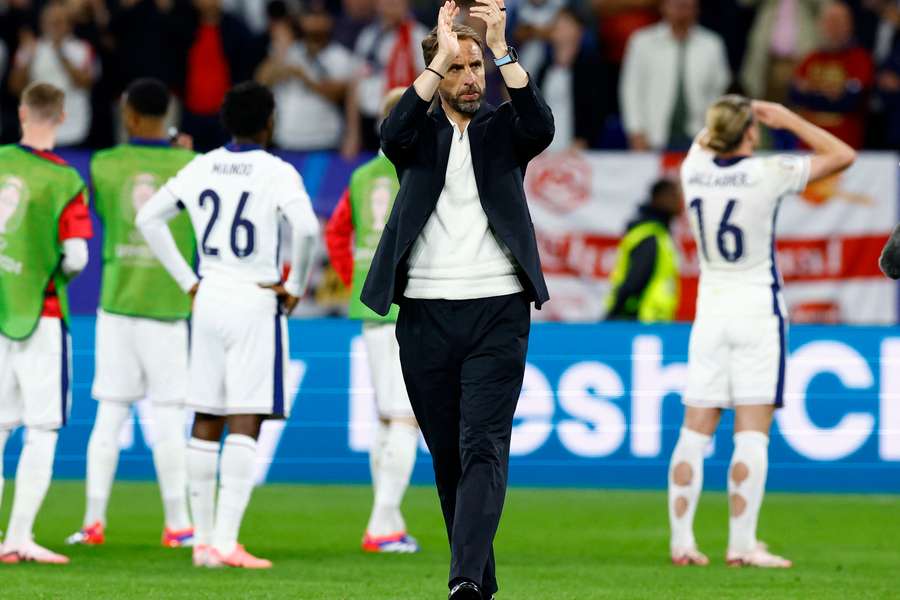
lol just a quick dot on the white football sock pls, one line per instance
(202, 464)
(171, 465)
(32, 481)
(687, 467)
(377, 449)
(235, 487)
(4, 435)
(397, 462)
(103, 458)
(746, 486)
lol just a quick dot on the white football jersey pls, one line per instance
(235, 198)
(732, 205)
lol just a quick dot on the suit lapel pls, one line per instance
(476, 147)
(444, 133)
(420, 209)
(477, 130)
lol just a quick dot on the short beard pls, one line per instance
(466, 108)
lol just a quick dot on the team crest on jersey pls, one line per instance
(13, 203)
(138, 190)
(380, 201)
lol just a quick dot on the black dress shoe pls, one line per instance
(465, 591)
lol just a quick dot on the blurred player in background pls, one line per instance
(645, 279)
(45, 225)
(352, 236)
(142, 331)
(737, 346)
(235, 197)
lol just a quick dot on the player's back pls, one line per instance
(732, 205)
(35, 188)
(233, 196)
(124, 178)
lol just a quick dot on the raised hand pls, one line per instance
(493, 13)
(448, 44)
(771, 114)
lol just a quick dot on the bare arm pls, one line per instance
(493, 13)
(400, 129)
(268, 72)
(329, 89)
(426, 84)
(19, 73)
(82, 77)
(830, 154)
(353, 128)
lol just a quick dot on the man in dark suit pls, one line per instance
(459, 256)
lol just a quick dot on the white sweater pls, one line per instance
(457, 255)
(647, 88)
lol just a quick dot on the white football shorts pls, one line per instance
(239, 352)
(736, 361)
(383, 353)
(36, 376)
(137, 358)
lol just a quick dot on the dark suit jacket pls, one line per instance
(502, 141)
(590, 106)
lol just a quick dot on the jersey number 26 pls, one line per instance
(237, 223)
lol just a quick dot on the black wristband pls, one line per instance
(435, 72)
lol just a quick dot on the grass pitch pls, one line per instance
(559, 544)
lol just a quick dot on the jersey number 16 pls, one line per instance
(726, 229)
(237, 223)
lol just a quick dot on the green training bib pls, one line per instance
(373, 188)
(33, 194)
(134, 282)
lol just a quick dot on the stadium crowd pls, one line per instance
(617, 73)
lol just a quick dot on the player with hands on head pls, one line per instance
(737, 349)
(236, 197)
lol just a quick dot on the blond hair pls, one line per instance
(44, 101)
(390, 100)
(726, 123)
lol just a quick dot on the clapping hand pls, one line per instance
(448, 44)
(493, 13)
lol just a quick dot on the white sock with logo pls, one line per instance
(685, 485)
(746, 487)
(103, 458)
(397, 462)
(235, 487)
(202, 465)
(171, 464)
(32, 481)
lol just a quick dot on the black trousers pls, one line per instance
(463, 363)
